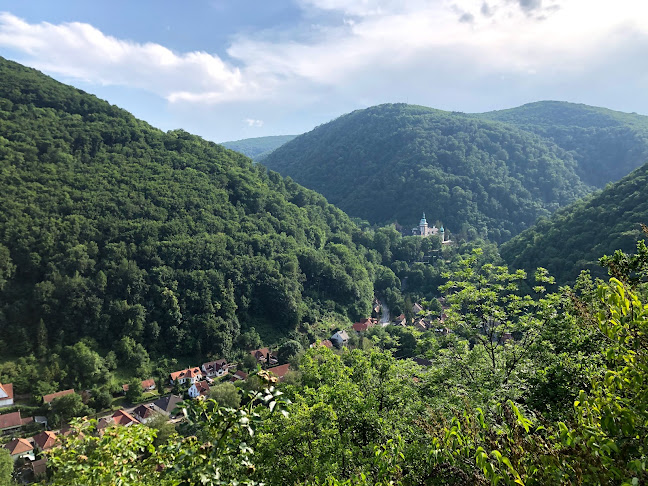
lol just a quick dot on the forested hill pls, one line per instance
(111, 228)
(392, 162)
(607, 144)
(260, 147)
(574, 238)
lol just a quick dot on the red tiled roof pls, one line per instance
(8, 389)
(260, 353)
(122, 417)
(9, 420)
(148, 383)
(53, 396)
(18, 446)
(202, 387)
(45, 440)
(187, 373)
(280, 371)
(362, 326)
(327, 343)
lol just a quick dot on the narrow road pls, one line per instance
(384, 320)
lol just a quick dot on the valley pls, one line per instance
(359, 305)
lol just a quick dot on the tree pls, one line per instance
(489, 310)
(134, 392)
(250, 339)
(66, 407)
(221, 453)
(226, 395)
(164, 429)
(101, 399)
(6, 468)
(289, 350)
(84, 366)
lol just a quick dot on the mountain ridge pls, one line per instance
(463, 170)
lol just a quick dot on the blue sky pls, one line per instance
(228, 70)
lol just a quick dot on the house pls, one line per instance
(363, 325)
(421, 324)
(41, 420)
(340, 338)
(144, 413)
(20, 448)
(376, 307)
(45, 440)
(280, 371)
(103, 423)
(54, 396)
(443, 331)
(39, 468)
(189, 375)
(167, 405)
(10, 422)
(416, 308)
(216, 368)
(6, 395)
(264, 357)
(121, 417)
(200, 388)
(326, 343)
(400, 320)
(147, 385)
(239, 376)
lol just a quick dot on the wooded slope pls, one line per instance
(606, 144)
(574, 238)
(393, 162)
(111, 228)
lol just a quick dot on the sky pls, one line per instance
(234, 69)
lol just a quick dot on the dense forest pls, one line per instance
(539, 388)
(111, 228)
(260, 147)
(124, 248)
(392, 162)
(574, 238)
(606, 144)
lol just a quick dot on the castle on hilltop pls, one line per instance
(424, 230)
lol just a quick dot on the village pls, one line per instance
(28, 448)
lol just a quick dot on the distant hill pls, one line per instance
(574, 238)
(606, 144)
(258, 148)
(392, 162)
(112, 228)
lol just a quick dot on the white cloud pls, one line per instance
(79, 50)
(454, 54)
(251, 122)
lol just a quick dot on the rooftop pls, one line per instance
(53, 396)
